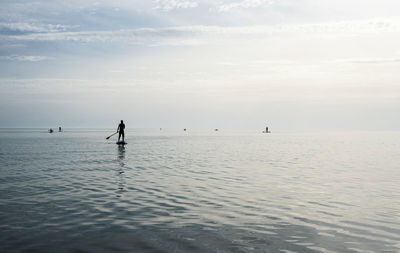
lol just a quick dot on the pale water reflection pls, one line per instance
(120, 170)
(199, 192)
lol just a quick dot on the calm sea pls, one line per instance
(199, 192)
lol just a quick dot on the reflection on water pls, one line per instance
(120, 170)
(121, 154)
(196, 192)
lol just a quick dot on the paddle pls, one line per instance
(111, 135)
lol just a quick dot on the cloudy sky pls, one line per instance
(233, 64)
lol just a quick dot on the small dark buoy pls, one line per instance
(184, 129)
(216, 129)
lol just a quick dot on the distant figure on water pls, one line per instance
(121, 131)
(59, 129)
(51, 130)
(266, 129)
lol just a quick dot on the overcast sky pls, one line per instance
(237, 64)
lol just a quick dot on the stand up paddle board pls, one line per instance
(121, 143)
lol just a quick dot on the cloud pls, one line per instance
(143, 36)
(195, 35)
(33, 28)
(373, 61)
(169, 5)
(27, 58)
(244, 4)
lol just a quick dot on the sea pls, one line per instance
(199, 191)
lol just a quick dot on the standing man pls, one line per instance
(121, 130)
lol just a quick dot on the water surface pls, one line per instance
(199, 192)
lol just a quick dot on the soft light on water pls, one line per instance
(199, 192)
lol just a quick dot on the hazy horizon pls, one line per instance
(245, 64)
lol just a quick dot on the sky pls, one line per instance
(292, 65)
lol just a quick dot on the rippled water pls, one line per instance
(199, 192)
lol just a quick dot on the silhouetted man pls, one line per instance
(121, 130)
